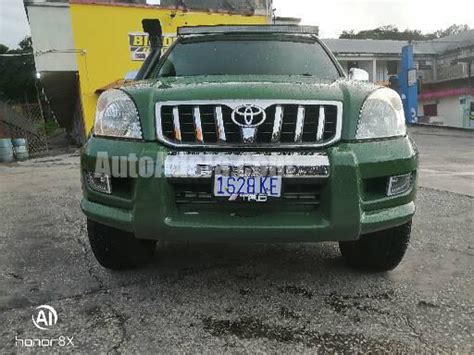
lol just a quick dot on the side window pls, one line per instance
(392, 67)
(168, 68)
(352, 64)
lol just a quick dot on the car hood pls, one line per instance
(248, 87)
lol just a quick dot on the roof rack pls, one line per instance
(199, 30)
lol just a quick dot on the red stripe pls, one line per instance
(437, 94)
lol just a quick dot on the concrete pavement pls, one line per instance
(446, 158)
(237, 298)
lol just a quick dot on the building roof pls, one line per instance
(445, 44)
(365, 46)
(391, 47)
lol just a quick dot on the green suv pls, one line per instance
(249, 134)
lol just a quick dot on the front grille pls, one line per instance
(286, 124)
(196, 194)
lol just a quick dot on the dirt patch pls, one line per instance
(251, 328)
(295, 290)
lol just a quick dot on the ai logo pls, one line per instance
(44, 317)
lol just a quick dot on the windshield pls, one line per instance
(246, 55)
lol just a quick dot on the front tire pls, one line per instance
(378, 251)
(118, 250)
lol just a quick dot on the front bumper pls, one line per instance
(352, 199)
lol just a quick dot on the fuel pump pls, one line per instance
(409, 85)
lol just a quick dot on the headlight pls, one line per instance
(381, 116)
(117, 116)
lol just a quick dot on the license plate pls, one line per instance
(258, 188)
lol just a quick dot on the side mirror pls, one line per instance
(358, 74)
(131, 75)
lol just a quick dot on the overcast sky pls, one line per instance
(332, 16)
(13, 23)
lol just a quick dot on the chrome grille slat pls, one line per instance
(299, 124)
(277, 123)
(197, 124)
(219, 123)
(321, 124)
(177, 124)
(286, 124)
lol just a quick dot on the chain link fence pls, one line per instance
(24, 121)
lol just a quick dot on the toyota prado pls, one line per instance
(249, 133)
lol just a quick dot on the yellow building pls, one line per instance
(100, 41)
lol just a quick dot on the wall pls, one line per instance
(53, 41)
(102, 31)
(447, 66)
(451, 112)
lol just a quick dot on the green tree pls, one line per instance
(393, 33)
(452, 30)
(17, 72)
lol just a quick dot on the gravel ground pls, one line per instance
(227, 298)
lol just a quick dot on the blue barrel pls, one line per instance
(6, 150)
(20, 149)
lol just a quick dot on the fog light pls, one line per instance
(399, 184)
(99, 182)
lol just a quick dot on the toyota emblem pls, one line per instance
(248, 116)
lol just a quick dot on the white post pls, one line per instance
(374, 70)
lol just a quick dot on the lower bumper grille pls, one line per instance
(194, 195)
